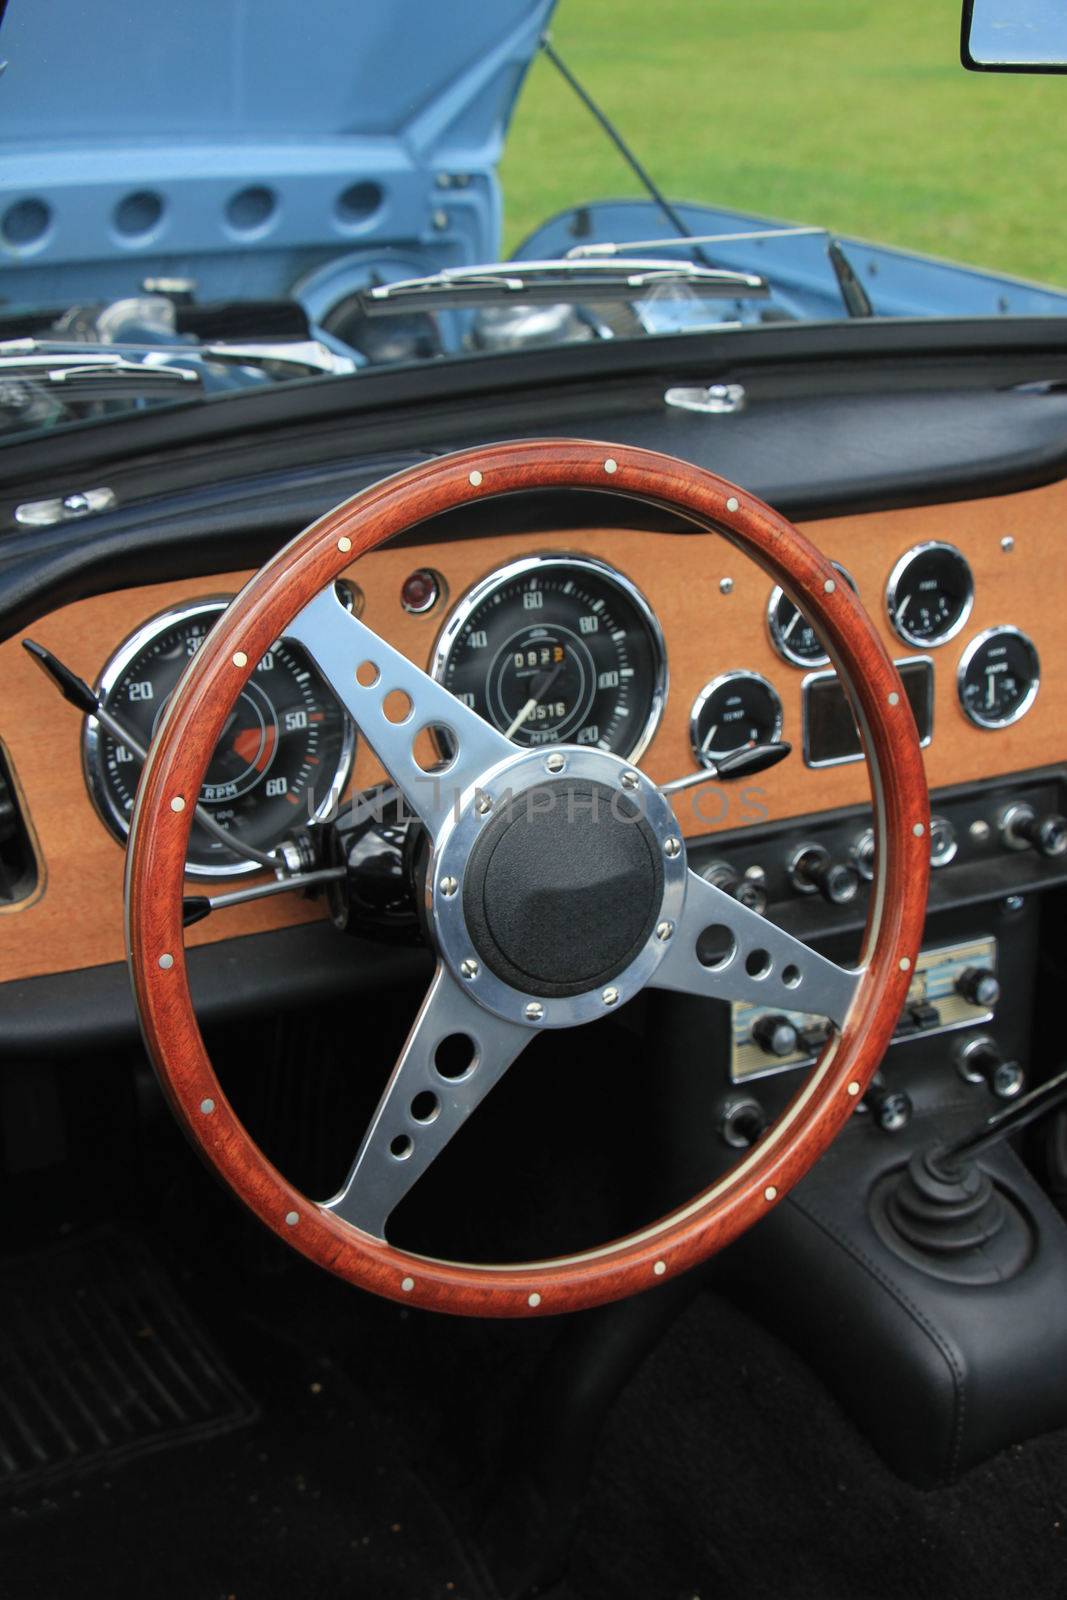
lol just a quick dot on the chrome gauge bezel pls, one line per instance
(993, 723)
(780, 645)
(844, 761)
(717, 683)
(893, 584)
(110, 813)
(476, 596)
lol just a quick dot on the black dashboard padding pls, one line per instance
(822, 451)
(81, 1013)
(939, 1376)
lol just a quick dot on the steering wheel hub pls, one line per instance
(551, 882)
(563, 888)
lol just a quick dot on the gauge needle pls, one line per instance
(904, 604)
(787, 630)
(708, 737)
(254, 748)
(541, 688)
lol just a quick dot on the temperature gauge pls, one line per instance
(929, 594)
(730, 712)
(998, 677)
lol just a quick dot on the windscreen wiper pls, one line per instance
(853, 295)
(565, 281)
(88, 371)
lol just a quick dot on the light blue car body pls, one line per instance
(264, 150)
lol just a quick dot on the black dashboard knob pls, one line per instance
(978, 986)
(978, 1060)
(890, 1108)
(1048, 835)
(1021, 826)
(775, 1034)
(746, 891)
(813, 870)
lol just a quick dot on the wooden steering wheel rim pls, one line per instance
(184, 745)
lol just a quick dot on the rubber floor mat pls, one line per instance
(100, 1362)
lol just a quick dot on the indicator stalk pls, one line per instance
(77, 692)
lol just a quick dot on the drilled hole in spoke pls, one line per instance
(757, 963)
(397, 705)
(425, 1106)
(350, 595)
(454, 1056)
(401, 1147)
(716, 946)
(434, 747)
(367, 674)
(791, 977)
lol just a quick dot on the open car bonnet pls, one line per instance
(261, 149)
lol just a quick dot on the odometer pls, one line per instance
(998, 677)
(284, 754)
(929, 594)
(558, 649)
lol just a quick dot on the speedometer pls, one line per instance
(558, 649)
(284, 755)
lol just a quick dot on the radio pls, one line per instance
(954, 986)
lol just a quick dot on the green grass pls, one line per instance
(854, 114)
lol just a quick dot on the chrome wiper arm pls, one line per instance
(853, 295)
(609, 250)
(555, 282)
(100, 371)
(311, 355)
(92, 370)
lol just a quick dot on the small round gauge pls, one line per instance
(929, 594)
(283, 756)
(558, 649)
(998, 677)
(737, 709)
(792, 634)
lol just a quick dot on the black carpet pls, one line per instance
(727, 1470)
(313, 1499)
(101, 1363)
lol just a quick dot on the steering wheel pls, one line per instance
(517, 840)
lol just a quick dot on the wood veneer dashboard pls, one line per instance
(74, 918)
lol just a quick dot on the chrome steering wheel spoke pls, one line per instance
(454, 1054)
(342, 646)
(724, 951)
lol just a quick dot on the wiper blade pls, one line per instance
(91, 371)
(555, 282)
(853, 295)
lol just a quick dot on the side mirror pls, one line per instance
(1014, 36)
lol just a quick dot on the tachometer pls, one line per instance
(558, 649)
(284, 754)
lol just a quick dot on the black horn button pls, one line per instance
(563, 888)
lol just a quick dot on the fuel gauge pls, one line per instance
(929, 594)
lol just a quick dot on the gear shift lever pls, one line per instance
(943, 1213)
